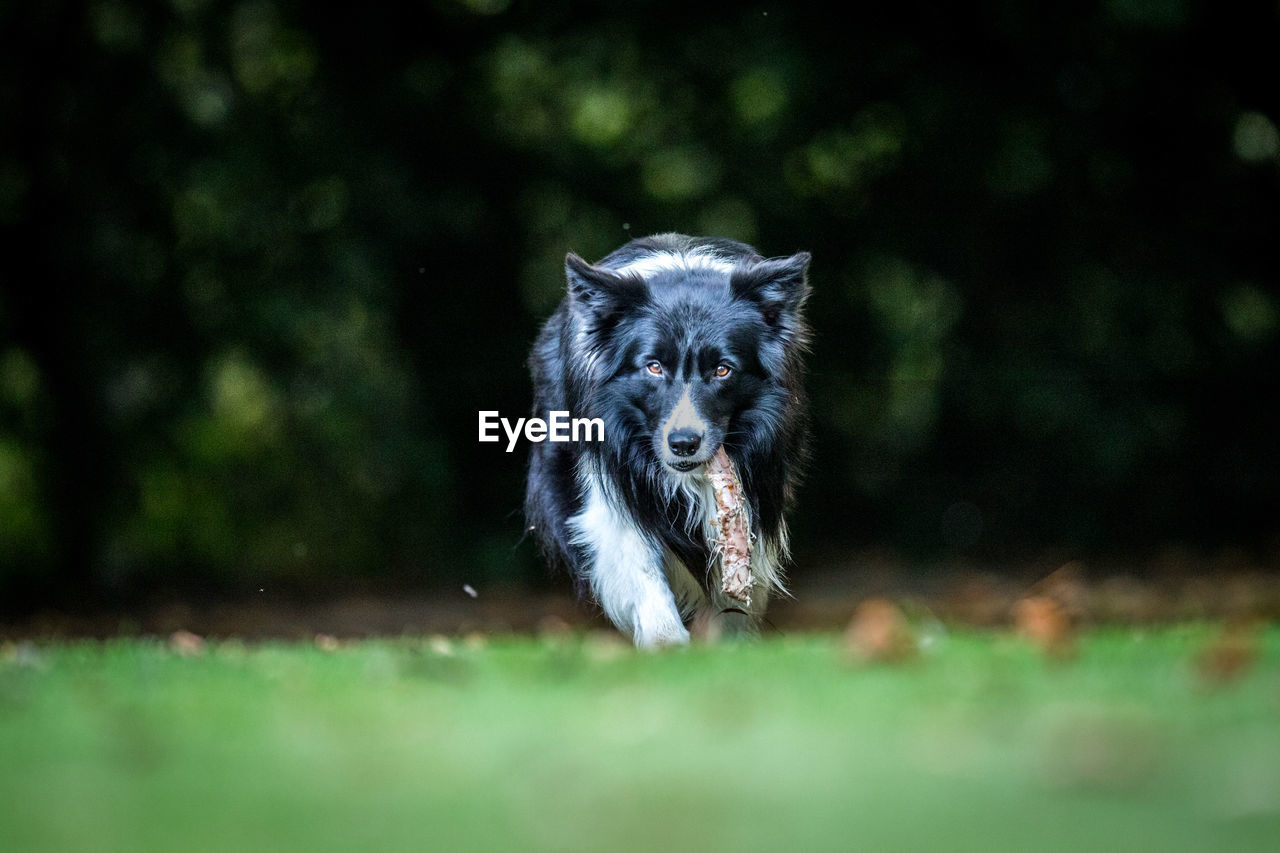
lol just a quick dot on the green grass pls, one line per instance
(576, 744)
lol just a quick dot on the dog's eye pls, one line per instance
(723, 370)
(654, 367)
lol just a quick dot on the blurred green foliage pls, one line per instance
(279, 257)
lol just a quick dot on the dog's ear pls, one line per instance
(778, 285)
(600, 295)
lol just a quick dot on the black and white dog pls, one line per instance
(680, 345)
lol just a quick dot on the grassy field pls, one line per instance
(577, 743)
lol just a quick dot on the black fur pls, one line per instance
(590, 360)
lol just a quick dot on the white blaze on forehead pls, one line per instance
(685, 414)
(675, 261)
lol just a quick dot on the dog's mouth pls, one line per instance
(683, 464)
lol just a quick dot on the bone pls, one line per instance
(733, 532)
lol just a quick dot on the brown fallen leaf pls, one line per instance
(551, 625)
(1229, 655)
(327, 643)
(1067, 587)
(879, 633)
(1044, 622)
(185, 643)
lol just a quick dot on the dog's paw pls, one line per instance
(659, 633)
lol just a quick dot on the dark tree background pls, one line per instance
(267, 260)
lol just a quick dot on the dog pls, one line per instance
(680, 345)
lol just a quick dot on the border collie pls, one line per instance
(680, 345)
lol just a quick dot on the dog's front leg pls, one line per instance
(636, 597)
(625, 571)
(732, 618)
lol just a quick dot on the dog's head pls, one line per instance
(686, 352)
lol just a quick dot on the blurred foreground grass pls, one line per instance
(578, 743)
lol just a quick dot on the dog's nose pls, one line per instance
(684, 442)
